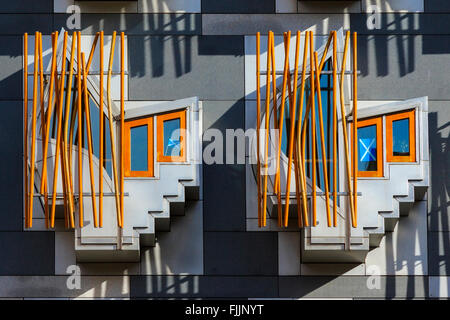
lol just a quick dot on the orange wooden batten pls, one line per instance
(377, 122)
(128, 125)
(287, 38)
(89, 139)
(334, 129)
(111, 132)
(58, 131)
(122, 116)
(33, 129)
(313, 132)
(101, 136)
(79, 139)
(292, 109)
(25, 124)
(355, 131)
(258, 112)
(160, 119)
(266, 141)
(322, 140)
(410, 115)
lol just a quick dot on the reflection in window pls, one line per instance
(139, 148)
(171, 129)
(400, 137)
(367, 148)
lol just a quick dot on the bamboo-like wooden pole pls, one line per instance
(49, 110)
(335, 199)
(58, 132)
(25, 126)
(89, 139)
(79, 139)
(258, 122)
(122, 120)
(65, 134)
(91, 54)
(266, 142)
(43, 124)
(344, 125)
(33, 127)
(322, 140)
(287, 38)
(292, 111)
(111, 131)
(101, 137)
(300, 163)
(313, 132)
(355, 129)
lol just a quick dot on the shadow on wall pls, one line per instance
(439, 201)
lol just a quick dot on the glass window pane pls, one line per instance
(400, 137)
(138, 148)
(171, 132)
(367, 148)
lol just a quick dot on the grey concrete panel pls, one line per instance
(353, 287)
(202, 286)
(241, 253)
(176, 67)
(238, 6)
(439, 142)
(27, 253)
(438, 257)
(402, 23)
(250, 24)
(11, 167)
(27, 6)
(224, 197)
(18, 24)
(395, 68)
(136, 24)
(57, 287)
(11, 67)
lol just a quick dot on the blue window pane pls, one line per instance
(400, 137)
(171, 130)
(138, 148)
(367, 148)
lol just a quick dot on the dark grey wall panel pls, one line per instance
(238, 6)
(18, 24)
(241, 253)
(202, 286)
(439, 141)
(175, 67)
(11, 67)
(438, 257)
(224, 197)
(11, 186)
(353, 287)
(27, 253)
(135, 24)
(395, 67)
(221, 214)
(437, 6)
(27, 6)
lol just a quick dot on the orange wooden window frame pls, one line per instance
(412, 136)
(127, 147)
(377, 121)
(160, 136)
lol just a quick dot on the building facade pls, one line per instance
(189, 225)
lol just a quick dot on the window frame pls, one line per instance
(390, 118)
(128, 124)
(378, 122)
(181, 114)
